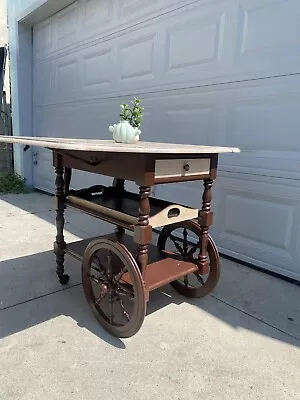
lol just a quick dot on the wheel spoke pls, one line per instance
(111, 308)
(125, 291)
(101, 270)
(94, 278)
(192, 250)
(177, 245)
(125, 313)
(100, 298)
(102, 274)
(118, 276)
(109, 266)
(114, 287)
(186, 281)
(185, 242)
(200, 279)
(200, 282)
(96, 269)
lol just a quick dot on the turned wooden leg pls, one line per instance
(67, 180)
(59, 244)
(119, 184)
(143, 231)
(206, 221)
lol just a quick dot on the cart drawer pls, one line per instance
(181, 167)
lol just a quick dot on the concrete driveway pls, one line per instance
(241, 342)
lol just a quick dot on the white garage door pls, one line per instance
(215, 72)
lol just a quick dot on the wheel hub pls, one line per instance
(103, 289)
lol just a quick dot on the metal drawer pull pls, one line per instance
(186, 167)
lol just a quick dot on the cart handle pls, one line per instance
(173, 212)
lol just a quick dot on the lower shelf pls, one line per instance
(77, 249)
(159, 272)
(163, 272)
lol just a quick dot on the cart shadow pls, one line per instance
(30, 295)
(244, 298)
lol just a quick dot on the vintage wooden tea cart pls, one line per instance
(119, 270)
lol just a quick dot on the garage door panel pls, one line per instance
(256, 116)
(43, 121)
(44, 176)
(96, 64)
(42, 39)
(128, 7)
(147, 57)
(219, 49)
(261, 229)
(195, 40)
(65, 27)
(262, 108)
(193, 122)
(56, 81)
(262, 118)
(136, 59)
(256, 121)
(267, 35)
(101, 18)
(185, 193)
(66, 78)
(95, 15)
(44, 91)
(78, 177)
(258, 220)
(89, 120)
(86, 20)
(272, 164)
(174, 50)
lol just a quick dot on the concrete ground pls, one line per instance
(240, 342)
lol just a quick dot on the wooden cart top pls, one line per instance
(112, 147)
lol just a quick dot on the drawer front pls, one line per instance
(182, 168)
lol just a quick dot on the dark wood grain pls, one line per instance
(206, 208)
(143, 222)
(160, 270)
(59, 244)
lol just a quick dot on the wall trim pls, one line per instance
(23, 124)
(42, 9)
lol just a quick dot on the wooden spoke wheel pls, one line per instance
(181, 240)
(119, 306)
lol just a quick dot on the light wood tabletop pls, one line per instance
(111, 146)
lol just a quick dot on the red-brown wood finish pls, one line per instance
(60, 244)
(206, 209)
(143, 226)
(155, 271)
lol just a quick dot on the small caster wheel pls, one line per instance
(64, 279)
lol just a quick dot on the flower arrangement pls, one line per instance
(128, 129)
(133, 115)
